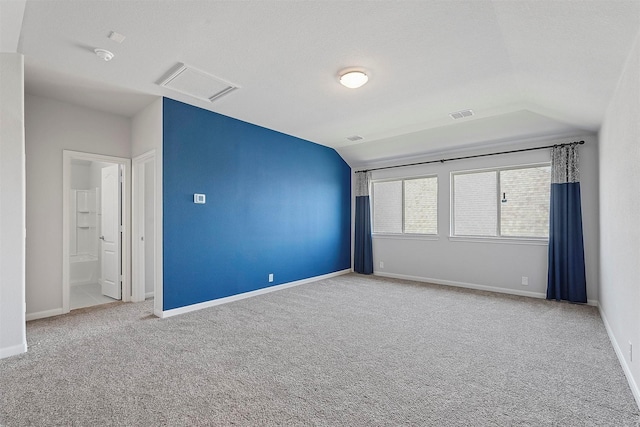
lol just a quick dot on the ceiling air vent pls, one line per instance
(354, 138)
(198, 84)
(461, 114)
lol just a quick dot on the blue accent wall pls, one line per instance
(274, 204)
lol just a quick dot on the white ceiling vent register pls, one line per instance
(460, 114)
(198, 84)
(355, 138)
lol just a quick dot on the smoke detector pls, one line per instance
(104, 54)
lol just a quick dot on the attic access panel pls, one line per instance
(198, 84)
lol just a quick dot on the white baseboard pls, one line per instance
(82, 282)
(13, 350)
(462, 285)
(149, 295)
(623, 362)
(43, 314)
(194, 307)
(475, 286)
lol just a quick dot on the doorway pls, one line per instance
(96, 243)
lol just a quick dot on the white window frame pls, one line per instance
(403, 235)
(498, 238)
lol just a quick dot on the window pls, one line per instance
(511, 202)
(406, 206)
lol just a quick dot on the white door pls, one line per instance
(110, 238)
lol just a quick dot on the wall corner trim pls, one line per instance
(625, 367)
(13, 350)
(194, 307)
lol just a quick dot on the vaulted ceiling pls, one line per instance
(527, 69)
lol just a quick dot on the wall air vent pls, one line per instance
(461, 114)
(198, 84)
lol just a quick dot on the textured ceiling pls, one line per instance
(526, 68)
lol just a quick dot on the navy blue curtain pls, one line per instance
(363, 248)
(566, 276)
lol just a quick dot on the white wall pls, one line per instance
(146, 129)
(80, 177)
(12, 206)
(484, 264)
(146, 135)
(51, 127)
(620, 218)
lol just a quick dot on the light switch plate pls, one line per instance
(199, 199)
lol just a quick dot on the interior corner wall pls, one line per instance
(12, 206)
(274, 204)
(52, 126)
(619, 218)
(485, 264)
(146, 129)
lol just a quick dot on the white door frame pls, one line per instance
(67, 157)
(138, 224)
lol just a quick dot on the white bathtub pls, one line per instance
(83, 269)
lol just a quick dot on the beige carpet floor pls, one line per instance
(352, 351)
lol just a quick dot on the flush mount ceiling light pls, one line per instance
(104, 54)
(353, 78)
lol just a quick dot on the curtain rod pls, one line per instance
(474, 156)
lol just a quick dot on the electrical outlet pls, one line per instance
(525, 281)
(630, 352)
(381, 264)
(270, 277)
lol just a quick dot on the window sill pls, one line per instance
(406, 236)
(501, 240)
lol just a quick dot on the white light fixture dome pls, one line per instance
(353, 78)
(104, 54)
